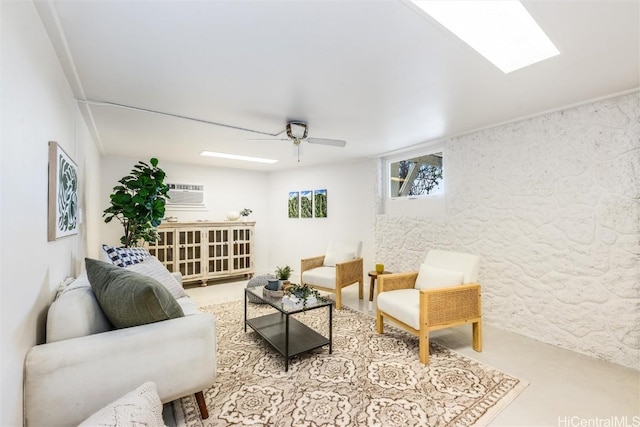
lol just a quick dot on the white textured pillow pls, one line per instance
(153, 268)
(141, 407)
(433, 277)
(334, 257)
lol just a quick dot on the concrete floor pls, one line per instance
(566, 389)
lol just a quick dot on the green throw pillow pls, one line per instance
(129, 298)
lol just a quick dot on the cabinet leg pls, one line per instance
(203, 283)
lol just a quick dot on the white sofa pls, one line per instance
(86, 364)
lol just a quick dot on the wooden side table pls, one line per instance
(373, 275)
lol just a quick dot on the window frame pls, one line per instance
(424, 152)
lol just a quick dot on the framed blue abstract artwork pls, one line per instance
(63, 194)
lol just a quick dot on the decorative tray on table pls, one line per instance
(273, 294)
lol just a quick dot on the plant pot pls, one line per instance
(273, 284)
(297, 303)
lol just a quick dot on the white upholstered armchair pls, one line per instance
(440, 295)
(339, 267)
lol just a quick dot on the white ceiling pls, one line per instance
(380, 74)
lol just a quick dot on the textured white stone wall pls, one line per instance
(552, 205)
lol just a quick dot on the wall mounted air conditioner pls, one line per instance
(187, 195)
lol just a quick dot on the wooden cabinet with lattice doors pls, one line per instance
(241, 248)
(163, 249)
(189, 248)
(205, 250)
(218, 251)
(230, 251)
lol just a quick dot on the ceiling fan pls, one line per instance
(298, 131)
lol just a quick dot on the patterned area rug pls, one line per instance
(369, 380)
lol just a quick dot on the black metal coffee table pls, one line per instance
(286, 334)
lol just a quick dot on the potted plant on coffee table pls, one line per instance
(301, 293)
(283, 274)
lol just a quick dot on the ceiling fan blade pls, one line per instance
(268, 139)
(324, 141)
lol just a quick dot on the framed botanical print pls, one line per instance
(294, 204)
(63, 193)
(306, 204)
(320, 203)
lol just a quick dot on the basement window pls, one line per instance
(417, 176)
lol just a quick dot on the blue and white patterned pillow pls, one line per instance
(123, 257)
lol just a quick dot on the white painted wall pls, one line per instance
(350, 194)
(37, 106)
(552, 205)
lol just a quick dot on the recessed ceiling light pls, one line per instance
(501, 31)
(237, 157)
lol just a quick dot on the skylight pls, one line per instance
(237, 157)
(501, 31)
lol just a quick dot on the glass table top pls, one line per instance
(276, 302)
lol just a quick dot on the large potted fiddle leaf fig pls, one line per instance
(139, 203)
